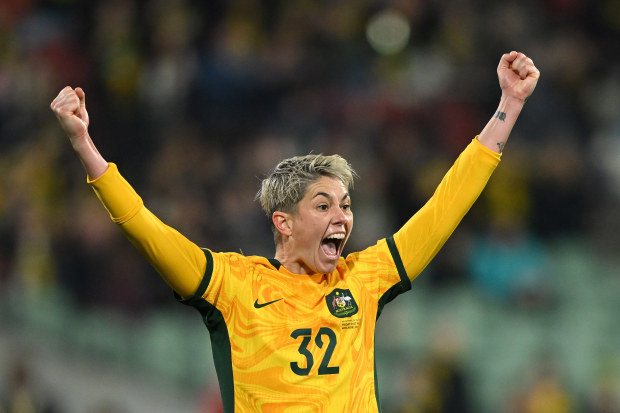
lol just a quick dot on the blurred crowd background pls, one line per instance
(197, 100)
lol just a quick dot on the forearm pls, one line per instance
(497, 130)
(94, 164)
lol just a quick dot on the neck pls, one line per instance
(292, 258)
(291, 263)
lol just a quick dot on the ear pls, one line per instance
(282, 223)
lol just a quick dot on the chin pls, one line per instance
(328, 268)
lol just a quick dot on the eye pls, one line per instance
(322, 207)
(346, 207)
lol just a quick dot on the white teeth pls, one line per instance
(336, 236)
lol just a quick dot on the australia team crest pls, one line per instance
(341, 303)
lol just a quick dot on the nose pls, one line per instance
(340, 217)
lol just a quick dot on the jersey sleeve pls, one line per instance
(180, 262)
(419, 240)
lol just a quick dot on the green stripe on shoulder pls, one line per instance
(400, 287)
(204, 283)
(202, 288)
(398, 261)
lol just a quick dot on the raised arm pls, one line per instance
(180, 262)
(426, 232)
(70, 110)
(517, 79)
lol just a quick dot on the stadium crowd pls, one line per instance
(195, 101)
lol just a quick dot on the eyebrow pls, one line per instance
(326, 195)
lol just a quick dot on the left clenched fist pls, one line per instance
(517, 75)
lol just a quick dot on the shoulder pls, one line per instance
(235, 259)
(369, 256)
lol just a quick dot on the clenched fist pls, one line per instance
(517, 75)
(70, 110)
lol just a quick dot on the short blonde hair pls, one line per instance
(286, 185)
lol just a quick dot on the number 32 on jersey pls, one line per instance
(325, 336)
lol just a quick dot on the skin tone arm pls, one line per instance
(517, 78)
(70, 110)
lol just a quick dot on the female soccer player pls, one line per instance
(296, 332)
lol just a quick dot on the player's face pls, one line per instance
(322, 225)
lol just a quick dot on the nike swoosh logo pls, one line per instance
(261, 305)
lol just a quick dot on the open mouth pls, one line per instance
(331, 245)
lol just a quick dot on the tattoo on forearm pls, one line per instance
(501, 146)
(500, 115)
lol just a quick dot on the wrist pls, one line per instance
(510, 106)
(80, 142)
(510, 102)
